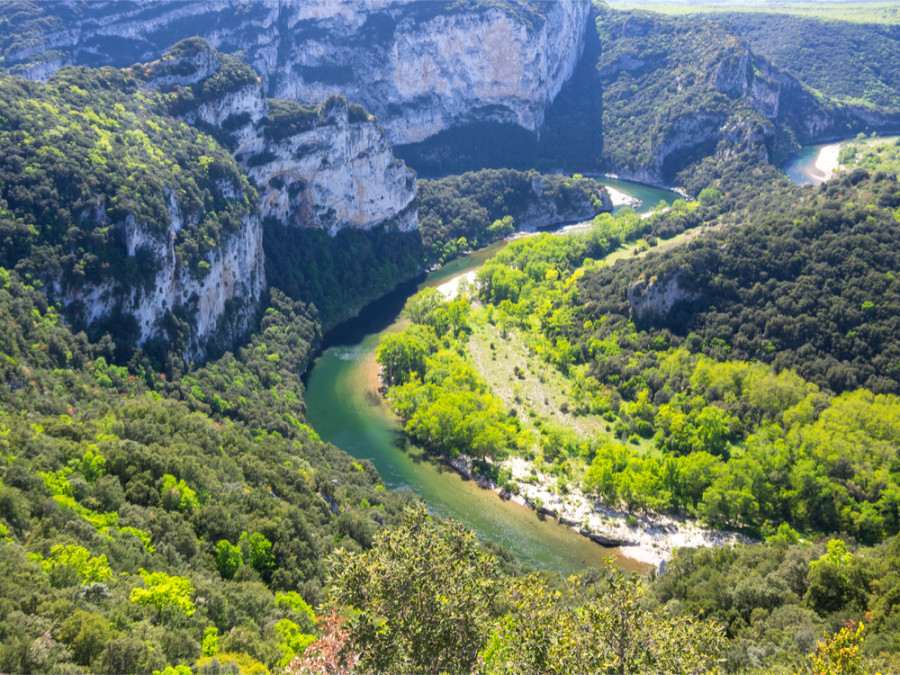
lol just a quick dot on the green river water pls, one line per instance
(346, 409)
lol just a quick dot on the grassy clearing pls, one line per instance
(856, 12)
(534, 388)
(875, 153)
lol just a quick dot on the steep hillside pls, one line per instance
(482, 206)
(147, 520)
(652, 95)
(677, 89)
(853, 63)
(808, 284)
(125, 215)
(420, 67)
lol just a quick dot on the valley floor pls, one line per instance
(539, 392)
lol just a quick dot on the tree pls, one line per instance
(169, 595)
(259, 550)
(228, 558)
(424, 595)
(401, 355)
(595, 625)
(839, 653)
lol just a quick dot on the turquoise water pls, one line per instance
(801, 168)
(649, 196)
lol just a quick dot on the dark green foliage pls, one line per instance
(427, 599)
(140, 472)
(343, 272)
(426, 593)
(776, 600)
(468, 205)
(853, 62)
(785, 291)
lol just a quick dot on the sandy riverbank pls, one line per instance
(450, 289)
(827, 161)
(619, 198)
(649, 539)
(822, 168)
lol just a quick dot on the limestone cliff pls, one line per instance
(653, 300)
(543, 211)
(420, 67)
(678, 89)
(221, 298)
(328, 166)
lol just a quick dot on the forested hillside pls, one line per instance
(851, 62)
(143, 515)
(476, 208)
(669, 405)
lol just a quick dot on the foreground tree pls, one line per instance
(595, 625)
(423, 597)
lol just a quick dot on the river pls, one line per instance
(345, 408)
(813, 164)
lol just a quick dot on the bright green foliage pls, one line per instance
(142, 536)
(424, 595)
(872, 154)
(176, 493)
(228, 558)
(239, 663)
(89, 569)
(86, 150)
(293, 641)
(180, 669)
(836, 554)
(402, 355)
(169, 595)
(774, 604)
(442, 399)
(260, 552)
(595, 626)
(484, 205)
(295, 601)
(709, 196)
(92, 464)
(146, 426)
(839, 653)
(210, 644)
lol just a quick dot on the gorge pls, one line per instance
(225, 446)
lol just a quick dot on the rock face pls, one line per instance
(222, 298)
(420, 67)
(654, 300)
(327, 166)
(543, 212)
(694, 88)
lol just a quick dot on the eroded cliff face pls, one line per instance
(653, 300)
(543, 212)
(429, 69)
(418, 66)
(328, 166)
(220, 298)
(695, 89)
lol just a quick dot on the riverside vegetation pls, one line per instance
(729, 419)
(159, 516)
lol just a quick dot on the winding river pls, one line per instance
(345, 408)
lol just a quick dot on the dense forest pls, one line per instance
(739, 427)
(89, 149)
(828, 58)
(476, 208)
